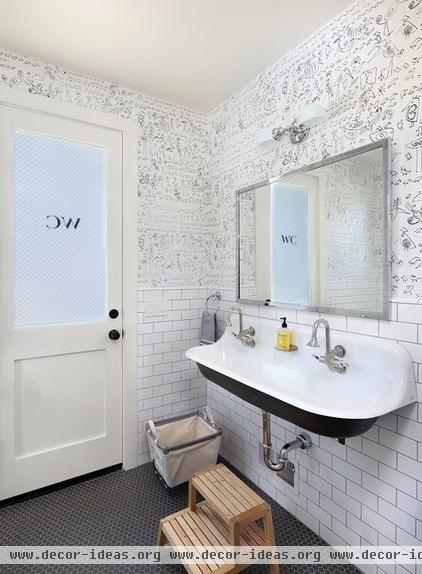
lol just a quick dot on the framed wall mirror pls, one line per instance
(319, 238)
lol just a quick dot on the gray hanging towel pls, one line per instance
(208, 327)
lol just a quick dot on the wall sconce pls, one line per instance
(300, 127)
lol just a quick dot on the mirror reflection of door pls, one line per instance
(294, 242)
(290, 244)
(287, 217)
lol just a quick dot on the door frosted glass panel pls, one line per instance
(289, 244)
(59, 230)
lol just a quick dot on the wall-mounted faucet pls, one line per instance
(245, 336)
(332, 356)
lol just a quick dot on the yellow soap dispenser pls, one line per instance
(284, 336)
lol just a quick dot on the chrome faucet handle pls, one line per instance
(340, 367)
(249, 331)
(337, 366)
(333, 363)
(339, 351)
(248, 341)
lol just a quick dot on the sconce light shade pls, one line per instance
(311, 115)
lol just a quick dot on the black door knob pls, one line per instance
(114, 335)
(113, 313)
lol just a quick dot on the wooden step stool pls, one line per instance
(227, 517)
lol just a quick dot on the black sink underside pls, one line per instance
(319, 424)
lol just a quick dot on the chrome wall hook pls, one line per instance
(217, 296)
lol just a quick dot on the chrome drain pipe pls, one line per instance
(302, 441)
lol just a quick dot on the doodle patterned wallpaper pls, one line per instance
(172, 167)
(365, 67)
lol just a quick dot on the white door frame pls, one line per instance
(127, 128)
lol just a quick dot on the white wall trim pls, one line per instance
(130, 295)
(127, 128)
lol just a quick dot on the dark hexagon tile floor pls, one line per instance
(123, 508)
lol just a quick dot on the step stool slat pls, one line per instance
(174, 539)
(227, 506)
(192, 540)
(239, 484)
(229, 491)
(209, 533)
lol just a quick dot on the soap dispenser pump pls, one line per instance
(283, 342)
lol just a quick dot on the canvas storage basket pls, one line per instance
(182, 445)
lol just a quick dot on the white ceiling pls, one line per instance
(193, 52)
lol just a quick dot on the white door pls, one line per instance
(60, 277)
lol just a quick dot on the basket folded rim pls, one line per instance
(166, 449)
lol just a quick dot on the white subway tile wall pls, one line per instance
(168, 383)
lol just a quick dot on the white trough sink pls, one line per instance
(293, 385)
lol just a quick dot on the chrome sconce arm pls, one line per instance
(298, 132)
(299, 129)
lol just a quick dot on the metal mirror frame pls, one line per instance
(383, 144)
